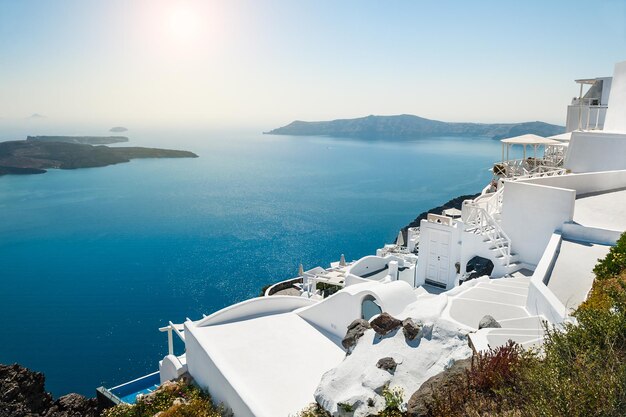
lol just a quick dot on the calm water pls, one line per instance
(93, 261)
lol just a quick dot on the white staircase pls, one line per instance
(481, 216)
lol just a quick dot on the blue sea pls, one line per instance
(94, 261)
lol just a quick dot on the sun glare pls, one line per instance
(184, 24)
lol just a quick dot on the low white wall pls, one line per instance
(585, 183)
(596, 151)
(615, 120)
(206, 374)
(371, 263)
(531, 213)
(335, 313)
(541, 301)
(577, 232)
(256, 307)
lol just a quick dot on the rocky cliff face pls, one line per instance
(22, 393)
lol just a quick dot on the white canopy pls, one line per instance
(530, 140)
(563, 137)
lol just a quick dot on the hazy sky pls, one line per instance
(265, 63)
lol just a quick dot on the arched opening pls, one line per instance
(369, 308)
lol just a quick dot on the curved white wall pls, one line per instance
(335, 313)
(256, 307)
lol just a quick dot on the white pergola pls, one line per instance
(526, 140)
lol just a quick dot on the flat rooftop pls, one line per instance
(603, 210)
(572, 275)
(274, 362)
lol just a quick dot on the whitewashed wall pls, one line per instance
(591, 182)
(596, 151)
(531, 213)
(206, 374)
(616, 113)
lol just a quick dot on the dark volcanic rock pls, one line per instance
(488, 322)
(385, 323)
(73, 405)
(22, 393)
(419, 401)
(456, 203)
(356, 329)
(410, 328)
(388, 364)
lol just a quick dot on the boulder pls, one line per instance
(356, 329)
(385, 324)
(387, 363)
(410, 328)
(488, 322)
(420, 400)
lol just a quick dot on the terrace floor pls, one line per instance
(572, 275)
(603, 210)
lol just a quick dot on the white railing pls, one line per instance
(477, 218)
(517, 168)
(542, 172)
(176, 328)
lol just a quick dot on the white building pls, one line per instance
(542, 224)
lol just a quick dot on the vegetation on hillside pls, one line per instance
(580, 371)
(172, 399)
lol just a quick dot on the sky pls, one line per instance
(264, 63)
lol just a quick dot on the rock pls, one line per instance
(388, 364)
(22, 393)
(356, 329)
(73, 405)
(488, 322)
(385, 324)
(419, 401)
(410, 328)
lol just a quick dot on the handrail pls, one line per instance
(477, 217)
(170, 340)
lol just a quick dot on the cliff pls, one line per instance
(22, 393)
(456, 202)
(407, 127)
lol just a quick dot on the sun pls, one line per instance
(183, 23)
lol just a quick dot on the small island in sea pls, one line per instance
(408, 127)
(118, 129)
(36, 154)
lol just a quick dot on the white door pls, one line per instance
(438, 261)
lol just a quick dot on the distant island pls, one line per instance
(86, 140)
(407, 127)
(35, 156)
(118, 129)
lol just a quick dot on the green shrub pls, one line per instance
(394, 402)
(614, 262)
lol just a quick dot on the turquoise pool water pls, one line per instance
(93, 261)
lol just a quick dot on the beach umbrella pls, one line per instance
(300, 270)
(342, 260)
